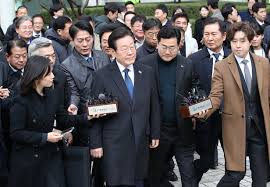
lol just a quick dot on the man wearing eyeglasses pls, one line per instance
(174, 75)
(151, 27)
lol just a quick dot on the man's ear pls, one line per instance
(59, 32)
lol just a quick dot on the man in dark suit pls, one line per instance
(260, 15)
(123, 139)
(175, 78)
(241, 82)
(207, 133)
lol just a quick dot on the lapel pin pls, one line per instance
(140, 72)
(181, 66)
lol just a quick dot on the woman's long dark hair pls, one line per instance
(36, 68)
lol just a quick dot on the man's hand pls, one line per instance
(154, 143)
(96, 153)
(95, 116)
(69, 138)
(4, 92)
(202, 114)
(54, 137)
(72, 109)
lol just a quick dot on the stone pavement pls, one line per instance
(212, 177)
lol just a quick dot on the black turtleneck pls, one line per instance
(167, 79)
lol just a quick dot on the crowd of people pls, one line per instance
(48, 75)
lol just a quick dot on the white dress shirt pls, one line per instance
(130, 72)
(239, 61)
(221, 56)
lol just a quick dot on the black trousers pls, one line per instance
(159, 157)
(257, 151)
(207, 136)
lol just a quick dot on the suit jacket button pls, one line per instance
(34, 120)
(36, 155)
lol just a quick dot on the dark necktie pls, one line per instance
(216, 55)
(128, 82)
(247, 75)
(37, 35)
(90, 61)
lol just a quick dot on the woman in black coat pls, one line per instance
(36, 158)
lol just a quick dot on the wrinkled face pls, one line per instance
(159, 14)
(18, 58)
(104, 45)
(125, 52)
(59, 13)
(181, 23)
(25, 30)
(204, 12)
(213, 38)
(64, 33)
(168, 49)
(128, 20)
(240, 44)
(151, 36)
(261, 14)
(22, 12)
(257, 40)
(46, 81)
(234, 15)
(38, 24)
(49, 53)
(130, 7)
(113, 16)
(137, 30)
(83, 42)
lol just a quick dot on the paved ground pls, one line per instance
(212, 177)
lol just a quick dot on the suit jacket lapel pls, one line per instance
(259, 71)
(179, 73)
(119, 81)
(138, 83)
(234, 70)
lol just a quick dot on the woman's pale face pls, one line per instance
(46, 81)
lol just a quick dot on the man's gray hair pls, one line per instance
(36, 44)
(21, 20)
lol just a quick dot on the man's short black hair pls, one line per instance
(108, 28)
(227, 9)
(121, 8)
(163, 8)
(140, 18)
(55, 8)
(213, 3)
(257, 6)
(117, 34)
(167, 33)
(129, 12)
(60, 22)
(21, 7)
(129, 3)
(15, 43)
(211, 21)
(151, 23)
(179, 15)
(110, 7)
(86, 18)
(37, 16)
(80, 26)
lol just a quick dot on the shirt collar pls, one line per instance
(240, 59)
(260, 23)
(35, 33)
(15, 70)
(122, 68)
(221, 52)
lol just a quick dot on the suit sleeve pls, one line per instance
(155, 121)
(18, 130)
(217, 90)
(74, 92)
(95, 132)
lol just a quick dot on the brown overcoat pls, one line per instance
(226, 84)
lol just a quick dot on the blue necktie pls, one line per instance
(216, 55)
(128, 83)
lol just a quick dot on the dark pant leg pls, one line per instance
(257, 152)
(97, 173)
(231, 179)
(158, 159)
(206, 141)
(184, 157)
